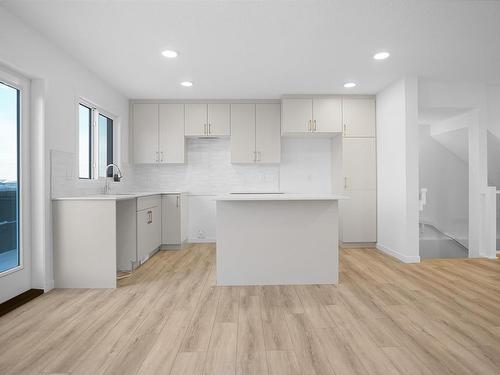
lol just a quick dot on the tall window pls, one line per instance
(95, 143)
(9, 177)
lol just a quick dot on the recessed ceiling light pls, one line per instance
(349, 85)
(187, 83)
(170, 54)
(381, 55)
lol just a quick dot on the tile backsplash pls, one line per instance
(208, 171)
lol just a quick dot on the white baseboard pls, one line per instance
(393, 253)
(201, 240)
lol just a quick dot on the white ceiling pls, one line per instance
(263, 49)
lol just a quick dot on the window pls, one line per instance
(95, 131)
(9, 177)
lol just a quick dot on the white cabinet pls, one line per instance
(268, 133)
(174, 219)
(171, 133)
(148, 226)
(359, 213)
(203, 120)
(255, 133)
(359, 162)
(145, 129)
(359, 216)
(358, 117)
(243, 133)
(158, 133)
(296, 115)
(312, 115)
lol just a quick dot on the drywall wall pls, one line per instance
(446, 178)
(60, 81)
(397, 169)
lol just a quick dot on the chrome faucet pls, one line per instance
(117, 177)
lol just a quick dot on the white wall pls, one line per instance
(446, 177)
(397, 170)
(60, 82)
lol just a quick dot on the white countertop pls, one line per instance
(114, 197)
(280, 197)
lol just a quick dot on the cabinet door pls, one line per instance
(296, 115)
(243, 133)
(327, 115)
(145, 128)
(196, 119)
(171, 130)
(268, 133)
(359, 216)
(219, 119)
(359, 161)
(359, 117)
(155, 227)
(171, 219)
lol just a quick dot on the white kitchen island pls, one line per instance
(277, 239)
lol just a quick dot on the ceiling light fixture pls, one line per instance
(187, 83)
(169, 54)
(381, 55)
(349, 85)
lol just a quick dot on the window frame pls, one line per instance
(95, 111)
(22, 85)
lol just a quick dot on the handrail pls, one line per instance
(447, 236)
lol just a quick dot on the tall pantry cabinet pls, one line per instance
(359, 213)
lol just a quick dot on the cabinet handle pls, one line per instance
(309, 125)
(314, 121)
(161, 156)
(345, 183)
(157, 156)
(177, 202)
(258, 155)
(209, 128)
(345, 129)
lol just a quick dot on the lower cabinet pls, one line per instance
(174, 219)
(359, 216)
(148, 226)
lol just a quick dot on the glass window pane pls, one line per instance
(84, 125)
(105, 141)
(9, 178)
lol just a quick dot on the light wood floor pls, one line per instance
(437, 317)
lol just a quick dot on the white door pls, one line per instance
(359, 161)
(145, 128)
(15, 252)
(359, 216)
(196, 120)
(171, 133)
(219, 122)
(268, 133)
(296, 115)
(243, 133)
(327, 115)
(359, 117)
(171, 219)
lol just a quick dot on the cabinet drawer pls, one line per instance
(148, 202)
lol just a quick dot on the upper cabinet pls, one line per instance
(145, 129)
(171, 133)
(359, 117)
(312, 115)
(158, 133)
(205, 120)
(255, 133)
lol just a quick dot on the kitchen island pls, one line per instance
(277, 239)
